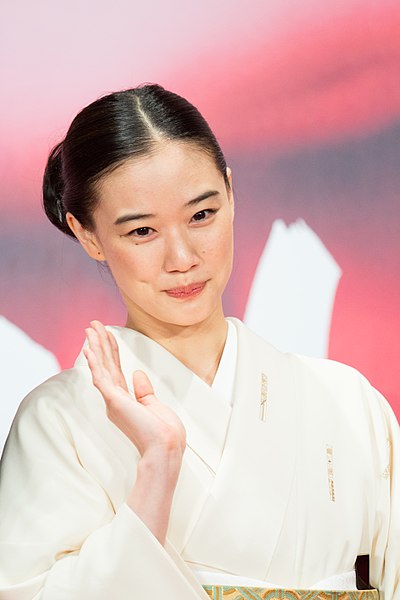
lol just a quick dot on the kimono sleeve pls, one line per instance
(385, 557)
(60, 538)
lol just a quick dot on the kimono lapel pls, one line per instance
(205, 417)
(203, 414)
(255, 476)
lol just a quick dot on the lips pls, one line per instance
(187, 291)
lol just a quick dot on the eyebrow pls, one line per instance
(137, 216)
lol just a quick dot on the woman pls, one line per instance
(201, 455)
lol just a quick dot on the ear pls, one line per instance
(86, 238)
(230, 190)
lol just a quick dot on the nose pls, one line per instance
(180, 252)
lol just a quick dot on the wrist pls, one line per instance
(153, 491)
(161, 463)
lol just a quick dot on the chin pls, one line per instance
(185, 321)
(184, 316)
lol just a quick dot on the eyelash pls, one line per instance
(209, 211)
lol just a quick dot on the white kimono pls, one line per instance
(288, 485)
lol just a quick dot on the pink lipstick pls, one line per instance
(189, 291)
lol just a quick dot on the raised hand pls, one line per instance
(152, 426)
(155, 429)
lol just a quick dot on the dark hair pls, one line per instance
(109, 131)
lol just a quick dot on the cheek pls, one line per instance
(219, 248)
(125, 265)
(118, 259)
(135, 265)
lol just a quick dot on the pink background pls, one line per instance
(305, 100)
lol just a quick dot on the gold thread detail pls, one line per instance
(263, 399)
(331, 482)
(219, 592)
(386, 472)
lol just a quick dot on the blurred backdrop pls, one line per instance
(304, 98)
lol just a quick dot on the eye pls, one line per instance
(203, 215)
(141, 232)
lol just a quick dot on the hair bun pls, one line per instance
(53, 188)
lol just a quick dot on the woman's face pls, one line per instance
(164, 224)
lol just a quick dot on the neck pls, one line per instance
(199, 347)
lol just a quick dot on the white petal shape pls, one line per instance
(291, 299)
(24, 364)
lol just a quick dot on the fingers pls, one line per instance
(114, 349)
(142, 388)
(103, 345)
(105, 362)
(99, 377)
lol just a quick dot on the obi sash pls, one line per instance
(222, 592)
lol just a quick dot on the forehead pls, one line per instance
(173, 170)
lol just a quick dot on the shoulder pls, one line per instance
(324, 381)
(56, 402)
(347, 388)
(339, 387)
(61, 387)
(318, 368)
(330, 371)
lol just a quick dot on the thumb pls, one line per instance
(142, 387)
